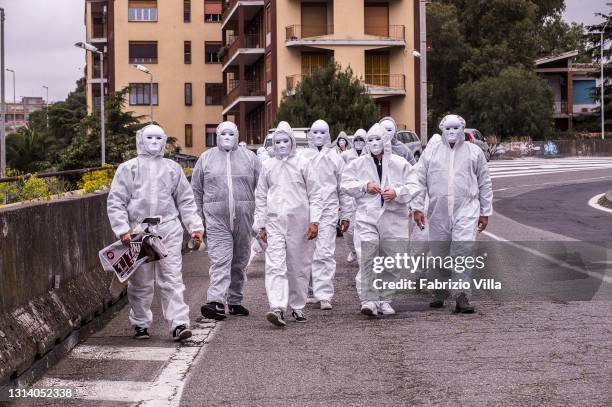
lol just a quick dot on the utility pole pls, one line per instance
(2, 105)
(47, 106)
(14, 100)
(423, 67)
(601, 61)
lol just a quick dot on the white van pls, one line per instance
(300, 133)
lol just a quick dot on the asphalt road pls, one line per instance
(538, 352)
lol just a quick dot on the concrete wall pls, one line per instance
(51, 281)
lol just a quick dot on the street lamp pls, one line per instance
(421, 54)
(2, 107)
(94, 50)
(47, 105)
(146, 70)
(14, 100)
(601, 61)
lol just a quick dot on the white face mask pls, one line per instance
(227, 139)
(342, 142)
(452, 132)
(319, 137)
(153, 143)
(376, 145)
(282, 145)
(359, 145)
(389, 128)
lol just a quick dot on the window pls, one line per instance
(142, 10)
(188, 94)
(143, 52)
(314, 61)
(214, 93)
(584, 92)
(211, 52)
(139, 94)
(187, 52)
(186, 11)
(377, 69)
(314, 20)
(188, 135)
(211, 135)
(212, 11)
(377, 22)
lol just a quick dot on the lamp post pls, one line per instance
(2, 107)
(47, 105)
(601, 62)
(94, 50)
(423, 66)
(146, 70)
(14, 100)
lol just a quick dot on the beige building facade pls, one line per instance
(237, 59)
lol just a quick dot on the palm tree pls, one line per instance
(26, 150)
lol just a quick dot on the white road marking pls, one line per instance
(593, 203)
(121, 353)
(165, 390)
(550, 259)
(518, 168)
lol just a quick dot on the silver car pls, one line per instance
(412, 141)
(476, 137)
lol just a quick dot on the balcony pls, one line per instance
(250, 46)
(309, 35)
(560, 108)
(376, 84)
(230, 7)
(252, 92)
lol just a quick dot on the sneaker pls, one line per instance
(385, 308)
(311, 300)
(180, 333)
(463, 305)
(326, 305)
(238, 310)
(141, 333)
(276, 317)
(350, 258)
(213, 310)
(298, 315)
(369, 308)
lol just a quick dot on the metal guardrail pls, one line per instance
(392, 81)
(251, 87)
(55, 174)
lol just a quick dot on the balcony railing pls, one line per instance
(393, 81)
(143, 60)
(251, 88)
(298, 31)
(236, 42)
(560, 107)
(396, 32)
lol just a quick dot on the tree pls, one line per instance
(514, 103)
(331, 94)
(26, 150)
(556, 36)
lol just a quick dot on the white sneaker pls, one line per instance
(369, 308)
(326, 305)
(385, 308)
(350, 258)
(311, 300)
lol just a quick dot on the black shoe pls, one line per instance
(180, 333)
(463, 305)
(141, 333)
(213, 310)
(276, 317)
(238, 310)
(298, 315)
(437, 303)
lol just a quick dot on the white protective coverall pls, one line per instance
(373, 220)
(355, 152)
(342, 139)
(224, 181)
(287, 199)
(262, 154)
(458, 185)
(328, 166)
(396, 146)
(153, 186)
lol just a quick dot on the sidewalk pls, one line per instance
(506, 354)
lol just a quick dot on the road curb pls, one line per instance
(593, 203)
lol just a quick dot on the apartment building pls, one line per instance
(179, 42)
(236, 59)
(18, 113)
(270, 45)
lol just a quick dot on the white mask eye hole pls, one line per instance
(159, 138)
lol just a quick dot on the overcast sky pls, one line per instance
(40, 34)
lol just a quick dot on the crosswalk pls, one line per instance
(174, 362)
(526, 167)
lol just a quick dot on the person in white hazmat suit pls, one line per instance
(342, 142)
(357, 151)
(152, 186)
(455, 176)
(287, 213)
(224, 181)
(377, 181)
(396, 146)
(328, 165)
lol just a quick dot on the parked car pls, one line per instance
(476, 137)
(300, 133)
(412, 141)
